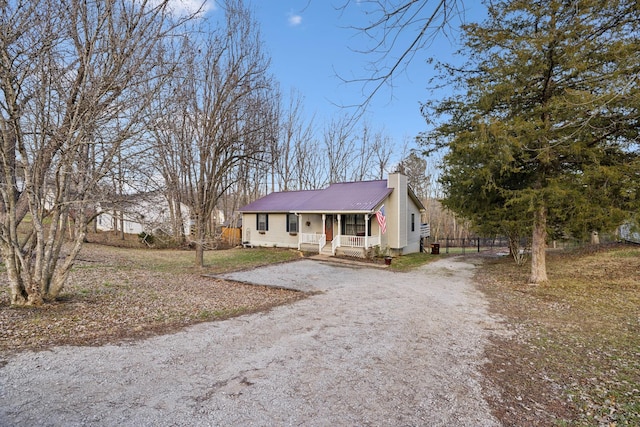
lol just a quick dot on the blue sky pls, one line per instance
(312, 42)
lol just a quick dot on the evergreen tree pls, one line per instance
(544, 133)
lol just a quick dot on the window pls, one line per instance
(292, 223)
(353, 225)
(262, 222)
(413, 222)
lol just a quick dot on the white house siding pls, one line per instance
(314, 220)
(629, 233)
(391, 212)
(275, 236)
(398, 208)
(147, 213)
(107, 222)
(413, 237)
(395, 210)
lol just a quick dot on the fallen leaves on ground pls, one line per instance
(572, 355)
(111, 299)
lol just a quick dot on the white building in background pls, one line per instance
(629, 233)
(141, 212)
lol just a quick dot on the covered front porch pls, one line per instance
(333, 234)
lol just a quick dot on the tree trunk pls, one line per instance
(200, 226)
(61, 274)
(18, 292)
(539, 246)
(518, 255)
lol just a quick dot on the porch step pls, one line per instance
(326, 250)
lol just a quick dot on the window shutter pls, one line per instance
(287, 219)
(266, 222)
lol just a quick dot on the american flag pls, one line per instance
(382, 221)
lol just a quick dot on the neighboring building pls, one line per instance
(141, 212)
(629, 233)
(341, 219)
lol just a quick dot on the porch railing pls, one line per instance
(313, 239)
(348, 241)
(359, 241)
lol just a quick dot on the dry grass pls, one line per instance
(117, 294)
(574, 357)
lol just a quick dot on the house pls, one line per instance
(629, 232)
(339, 220)
(147, 212)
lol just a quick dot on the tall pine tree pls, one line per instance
(544, 131)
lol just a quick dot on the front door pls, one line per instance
(328, 228)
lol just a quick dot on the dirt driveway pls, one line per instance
(373, 348)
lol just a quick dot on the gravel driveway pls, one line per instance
(373, 348)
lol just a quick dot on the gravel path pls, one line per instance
(374, 348)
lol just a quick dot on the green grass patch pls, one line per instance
(182, 261)
(205, 315)
(410, 261)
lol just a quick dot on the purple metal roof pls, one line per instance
(362, 196)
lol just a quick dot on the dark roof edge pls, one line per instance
(415, 199)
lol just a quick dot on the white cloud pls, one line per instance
(187, 7)
(295, 20)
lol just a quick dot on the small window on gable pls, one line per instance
(262, 222)
(292, 223)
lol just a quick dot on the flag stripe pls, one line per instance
(382, 221)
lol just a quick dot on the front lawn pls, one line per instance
(574, 356)
(116, 294)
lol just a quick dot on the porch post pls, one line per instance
(299, 230)
(324, 230)
(339, 228)
(366, 231)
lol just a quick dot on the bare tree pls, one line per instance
(294, 133)
(339, 144)
(311, 161)
(223, 118)
(397, 31)
(381, 151)
(362, 154)
(169, 127)
(75, 80)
